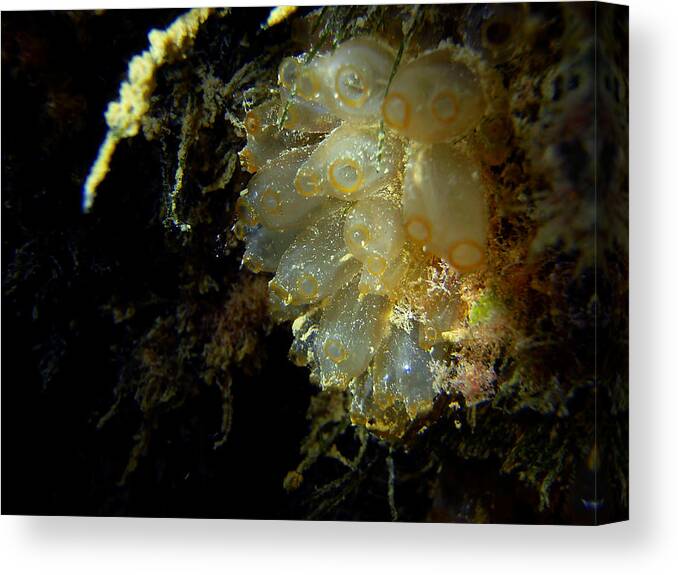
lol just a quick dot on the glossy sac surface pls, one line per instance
(360, 198)
(434, 99)
(349, 164)
(438, 181)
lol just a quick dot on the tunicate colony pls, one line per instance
(363, 189)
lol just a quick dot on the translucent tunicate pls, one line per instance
(350, 82)
(356, 195)
(317, 263)
(265, 141)
(444, 205)
(305, 116)
(373, 233)
(389, 280)
(272, 197)
(349, 334)
(401, 370)
(265, 247)
(348, 165)
(434, 99)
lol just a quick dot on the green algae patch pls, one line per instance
(485, 309)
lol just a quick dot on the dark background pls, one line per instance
(61, 351)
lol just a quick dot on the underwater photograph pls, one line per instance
(348, 263)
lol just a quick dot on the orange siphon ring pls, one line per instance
(304, 191)
(376, 265)
(353, 103)
(335, 183)
(270, 201)
(428, 335)
(283, 80)
(292, 118)
(254, 263)
(357, 245)
(339, 354)
(307, 95)
(454, 246)
(442, 118)
(422, 221)
(307, 294)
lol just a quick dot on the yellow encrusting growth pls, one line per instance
(124, 116)
(279, 14)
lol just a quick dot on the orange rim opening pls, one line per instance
(311, 84)
(428, 335)
(336, 355)
(291, 118)
(284, 79)
(310, 290)
(454, 246)
(340, 163)
(357, 245)
(376, 265)
(454, 104)
(270, 201)
(308, 191)
(254, 263)
(423, 224)
(355, 102)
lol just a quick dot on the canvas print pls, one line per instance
(362, 263)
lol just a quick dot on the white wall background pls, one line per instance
(646, 544)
